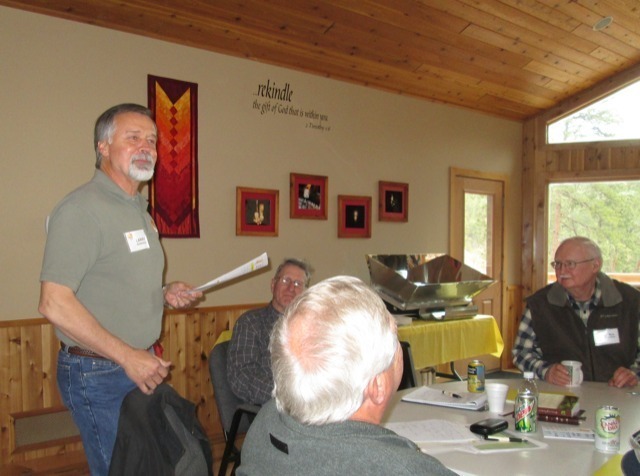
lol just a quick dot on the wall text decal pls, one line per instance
(274, 99)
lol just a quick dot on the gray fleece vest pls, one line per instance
(563, 336)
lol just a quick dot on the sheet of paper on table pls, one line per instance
(433, 431)
(437, 436)
(253, 265)
(487, 446)
(436, 396)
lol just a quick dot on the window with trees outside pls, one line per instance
(477, 223)
(606, 212)
(615, 117)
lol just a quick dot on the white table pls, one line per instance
(561, 457)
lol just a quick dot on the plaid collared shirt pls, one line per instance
(249, 359)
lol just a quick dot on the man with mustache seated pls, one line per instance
(584, 316)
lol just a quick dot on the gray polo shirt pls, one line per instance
(103, 245)
(279, 445)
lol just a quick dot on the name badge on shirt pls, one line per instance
(137, 240)
(606, 337)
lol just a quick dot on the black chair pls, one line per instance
(408, 372)
(235, 415)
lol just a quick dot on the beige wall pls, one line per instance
(57, 76)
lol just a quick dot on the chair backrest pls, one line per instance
(408, 371)
(226, 400)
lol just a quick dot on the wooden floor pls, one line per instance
(63, 465)
(71, 464)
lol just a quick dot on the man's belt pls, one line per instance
(75, 350)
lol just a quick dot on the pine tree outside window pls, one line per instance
(615, 117)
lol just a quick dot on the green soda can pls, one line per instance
(525, 413)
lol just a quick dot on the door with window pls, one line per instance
(476, 237)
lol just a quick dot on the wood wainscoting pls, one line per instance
(28, 350)
(513, 314)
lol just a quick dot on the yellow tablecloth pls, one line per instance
(434, 343)
(223, 337)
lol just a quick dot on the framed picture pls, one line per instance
(393, 201)
(308, 196)
(256, 212)
(354, 217)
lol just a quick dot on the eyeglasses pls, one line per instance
(568, 264)
(286, 281)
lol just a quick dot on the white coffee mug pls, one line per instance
(575, 372)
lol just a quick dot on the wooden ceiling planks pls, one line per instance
(511, 58)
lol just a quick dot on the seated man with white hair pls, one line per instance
(336, 363)
(585, 316)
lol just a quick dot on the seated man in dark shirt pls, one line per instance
(249, 362)
(584, 316)
(336, 364)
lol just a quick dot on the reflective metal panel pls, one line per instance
(425, 282)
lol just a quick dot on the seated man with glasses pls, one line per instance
(249, 360)
(584, 316)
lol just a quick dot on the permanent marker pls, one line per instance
(451, 394)
(506, 439)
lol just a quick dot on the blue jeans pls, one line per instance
(93, 390)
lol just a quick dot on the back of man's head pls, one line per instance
(327, 347)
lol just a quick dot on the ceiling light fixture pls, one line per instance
(602, 24)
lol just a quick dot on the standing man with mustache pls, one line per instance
(101, 282)
(584, 316)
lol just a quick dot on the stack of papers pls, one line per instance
(432, 431)
(438, 436)
(444, 398)
(488, 446)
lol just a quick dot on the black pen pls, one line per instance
(451, 394)
(505, 439)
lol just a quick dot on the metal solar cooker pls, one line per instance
(432, 286)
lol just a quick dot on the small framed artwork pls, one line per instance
(308, 196)
(354, 217)
(393, 201)
(256, 212)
